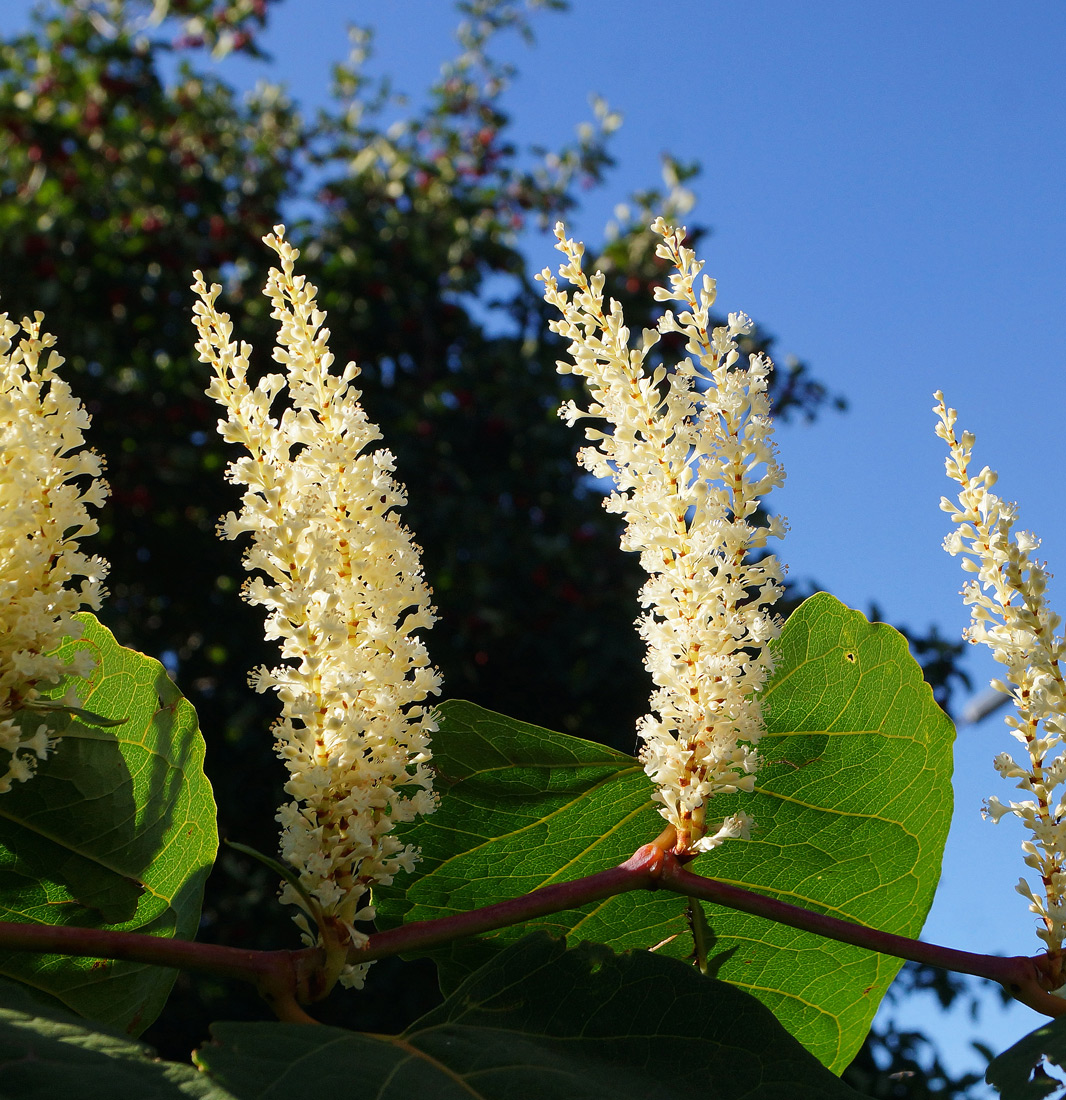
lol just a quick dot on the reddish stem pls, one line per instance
(282, 977)
(288, 978)
(1028, 979)
(640, 872)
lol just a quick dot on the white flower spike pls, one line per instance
(690, 451)
(342, 583)
(1010, 614)
(48, 480)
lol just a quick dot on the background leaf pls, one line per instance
(1019, 1073)
(542, 1022)
(852, 806)
(116, 830)
(46, 1052)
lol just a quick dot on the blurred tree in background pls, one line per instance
(124, 167)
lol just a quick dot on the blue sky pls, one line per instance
(885, 185)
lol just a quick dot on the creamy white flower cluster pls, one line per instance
(1010, 614)
(690, 451)
(342, 583)
(48, 480)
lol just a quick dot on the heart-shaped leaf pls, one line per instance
(116, 830)
(852, 806)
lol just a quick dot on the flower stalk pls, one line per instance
(48, 481)
(1010, 614)
(342, 583)
(690, 450)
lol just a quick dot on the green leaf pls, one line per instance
(116, 830)
(1019, 1073)
(852, 807)
(47, 1053)
(539, 1021)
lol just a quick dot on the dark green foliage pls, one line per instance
(538, 1021)
(906, 1067)
(47, 1052)
(1032, 1069)
(114, 188)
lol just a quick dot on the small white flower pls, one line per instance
(1010, 614)
(691, 452)
(342, 583)
(48, 481)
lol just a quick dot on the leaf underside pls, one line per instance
(538, 1021)
(47, 1053)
